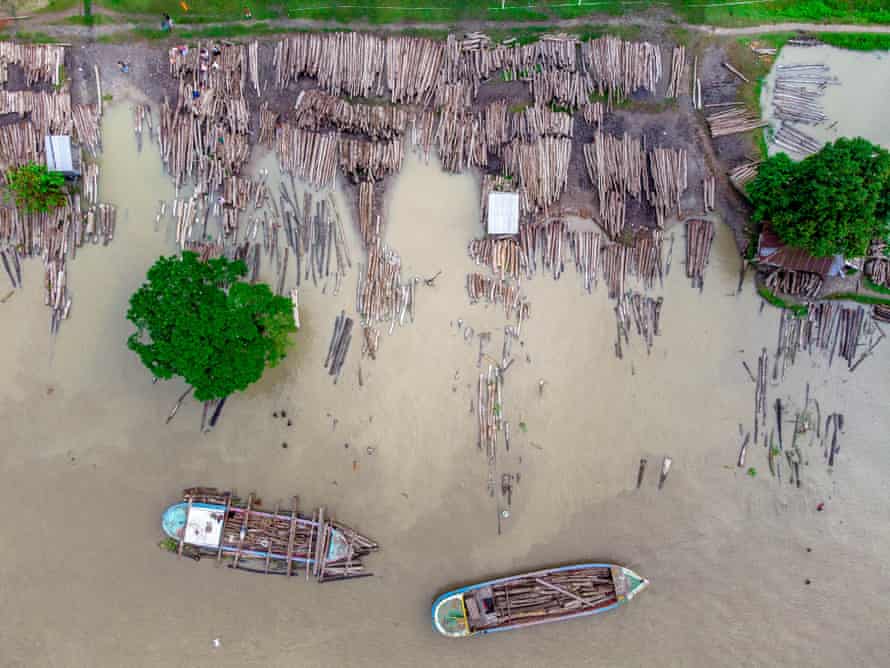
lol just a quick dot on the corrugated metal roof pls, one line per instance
(58, 153)
(503, 213)
(773, 251)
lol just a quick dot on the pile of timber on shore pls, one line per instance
(212, 66)
(798, 283)
(585, 248)
(678, 66)
(269, 121)
(699, 236)
(616, 167)
(20, 144)
(798, 92)
(504, 257)
(380, 295)
(540, 168)
(668, 170)
(49, 112)
(741, 175)
(641, 311)
(316, 110)
(498, 291)
(363, 160)
(310, 155)
(619, 68)
(732, 121)
(42, 63)
(829, 328)
(349, 63)
(796, 141)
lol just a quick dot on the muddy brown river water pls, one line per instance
(88, 466)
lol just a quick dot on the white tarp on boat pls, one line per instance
(204, 527)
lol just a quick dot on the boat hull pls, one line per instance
(484, 608)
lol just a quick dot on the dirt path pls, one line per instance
(45, 23)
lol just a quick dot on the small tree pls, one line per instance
(833, 202)
(35, 188)
(197, 320)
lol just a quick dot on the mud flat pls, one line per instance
(88, 466)
(855, 107)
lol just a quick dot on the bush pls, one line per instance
(35, 189)
(197, 320)
(833, 202)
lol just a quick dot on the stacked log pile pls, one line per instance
(744, 173)
(647, 256)
(668, 169)
(796, 141)
(316, 110)
(505, 257)
(877, 264)
(339, 345)
(363, 160)
(733, 121)
(593, 114)
(49, 112)
(99, 223)
(268, 126)
(498, 291)
(381, 295)
(797, 93)
(530, 598)
(86, 127)
(798, 283)
(678, 65)
(211, 67)
(585, 248)
(310, 155)
(562, 87)
(619, 68)
(368, 222)
(413, 68)
(461, 141)
(616, 168)
(829, 328)
(699, 235)
(709, 192)
(42, 63)
(19, 144)
(541, 169)
(349, 63)
(637, 311)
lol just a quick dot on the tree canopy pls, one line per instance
(197, 320)
(35, 189)
(833, 202)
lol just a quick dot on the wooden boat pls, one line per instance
(218, 524)
(551, 595)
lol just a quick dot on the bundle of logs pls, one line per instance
(370, 160)
(339, 346)
(310, 155)
(498, 291)
(489, 411)
(646, 315)
(741, 175)
(585, 253)
(830, 328)
(619, 68)
(798, 283)
(796, 141)
(668, 170)
(504, 257)
(19, 144)
(678, 66)
(733, 120)
(797, 93)
(616, 168)
(49, 112)
(541, 169)
(380, 295)
(316, 110)
(529, 598)
(699, 235)
(42, 63)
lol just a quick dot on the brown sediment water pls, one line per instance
(89, 465)
(855, 107)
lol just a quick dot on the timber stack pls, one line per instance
(699, 236)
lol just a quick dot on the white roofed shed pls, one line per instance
(61, 155)
(503, 213)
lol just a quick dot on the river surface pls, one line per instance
(88, 466)
(855, 107)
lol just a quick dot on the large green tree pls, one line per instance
(197, 320)
(833, 202)
(35, 189)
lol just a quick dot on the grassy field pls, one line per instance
(854, 42)
(718, 12)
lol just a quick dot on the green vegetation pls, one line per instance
(874, 287)
(35, 189)
(856, 41)
(197, 320)
(814, 11)
(799, 310)
(833, 202)
(859, 298)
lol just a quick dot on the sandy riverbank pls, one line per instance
(88, 466)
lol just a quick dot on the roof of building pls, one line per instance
(503, 213)
(58, 154)
(774, 252)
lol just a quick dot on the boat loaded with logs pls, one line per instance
(220, 525)
(550, 595)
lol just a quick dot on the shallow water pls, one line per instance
(88, 467)
(858, 105)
